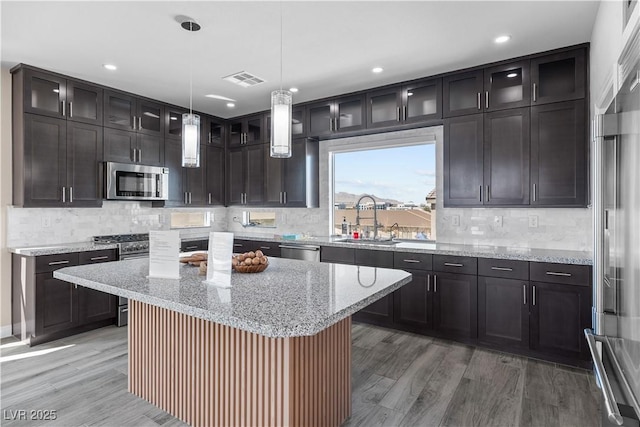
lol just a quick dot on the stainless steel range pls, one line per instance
(130, 246)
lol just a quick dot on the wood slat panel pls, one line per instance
(209, 374)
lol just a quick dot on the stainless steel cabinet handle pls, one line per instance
(502, 268)
(238, 245)
(435, 283)
(64, 110)
(190, 197)
(124, 310)
(139, 154)
(553, 273)
(481, 193)
(209, 198)
(486, 99)
(453, 264)
(399, 114)
(58, 262)
(413, 261)
(64, 194)
(134, 122)
(285, 197)
(535, 92)
(140, 122)
(524, 294)
(280, 197)
(70, 109)
(534, 295)
(185, 197)
(265, 247)
(488, 193)
(428, 282)
(613, 413)
(191, 247)
(70, 194)
(98, 258)
(132, 154)
(479, 101)
(534, 192)
(406, 112)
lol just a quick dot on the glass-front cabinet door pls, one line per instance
(174, 122)
(119, 109)
(254, 127)
(349, 113)
(44, 94)
(236, 134)
(462, 94)
(150, 117)
(84, 103)
(384, 107)
(507, 86)
(422, 101)
(320, 118)
(213, 131)
(558, 77)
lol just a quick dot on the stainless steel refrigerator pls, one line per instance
(615, 339)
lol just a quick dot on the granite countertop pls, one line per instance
(479, 251)
(290, 298)
(64, 248)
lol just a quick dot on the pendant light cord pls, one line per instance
(190, 73)
(281, 45)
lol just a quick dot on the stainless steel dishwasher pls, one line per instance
(298, 251)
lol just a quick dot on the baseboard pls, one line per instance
(5, 331)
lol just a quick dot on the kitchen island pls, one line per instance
(273, 349)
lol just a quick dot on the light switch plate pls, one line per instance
(533, 221)
(455, 220)
(497, 220)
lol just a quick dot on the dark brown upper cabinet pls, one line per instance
(559, 154)
(559, 77)
(128, 112)
(491, 89)
(173, 121)
(215, 180)
(247, 130)
(403, 104)
(245, 175)
(463, 160)
(187, 186)
(56, 96)
(298, 123)
(131, 147)
(213, 131)
(336, 115)
(506, 157)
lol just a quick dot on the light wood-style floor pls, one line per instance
(399, 379)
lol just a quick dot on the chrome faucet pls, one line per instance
(375, 215)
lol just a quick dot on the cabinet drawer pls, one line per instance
(560, 273)
(412, 261)
(337, 255)
(194, 245)
(103, 255)
(371, 258)
(47, 263)
(503, 268)
(455, 264)
(267, 248)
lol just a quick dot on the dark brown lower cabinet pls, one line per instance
(455, 304)
(559, 314)
(503, 312)
(46, 308)
(413, 303)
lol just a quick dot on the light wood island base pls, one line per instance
(208, 374)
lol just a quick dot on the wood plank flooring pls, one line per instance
(398, 379)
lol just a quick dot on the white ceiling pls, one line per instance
(329, 47)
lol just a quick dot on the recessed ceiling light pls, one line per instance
(502, 39)
(220, 97)
(230, 104)
(377, 70)
(512, 75)
(110, 67)
(293, 89)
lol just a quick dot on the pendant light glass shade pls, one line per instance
(190, 140)
(281, 101)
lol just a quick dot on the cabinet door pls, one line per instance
(150, 116)
(56, 305)
(273, 179)
(173, 128)
(558, 77)
(235, 176)
(422, 101)
(119, 109)
(95, 305)
(463, 161)
(236, 134)
(254, 128)
(507, 86)
(196, 184)
(151, 149)
(559, 154)
(44, 94)
(503, 312)
(349, 113)
(215, 175)
(295, 175)
(84, 164)
(320, 118)
(298, 122)
(455, 305)
(373, 258)
(413, 305)
(337, 255)
(254, 174)
(384, 107)
(377, 313)
(213, 131)
(462, 93)
(506, 157)
(119, 145)
(84, 103)
(45, 161)
(559, 315)
(173, 160)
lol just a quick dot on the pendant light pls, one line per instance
(190, 121)
(281, 101)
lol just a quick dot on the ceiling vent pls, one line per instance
(244, 79)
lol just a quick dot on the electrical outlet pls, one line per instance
(497, 220)
(455, 220)
(533, 221)
(46, 221)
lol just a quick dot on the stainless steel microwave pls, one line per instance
(136, 182)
